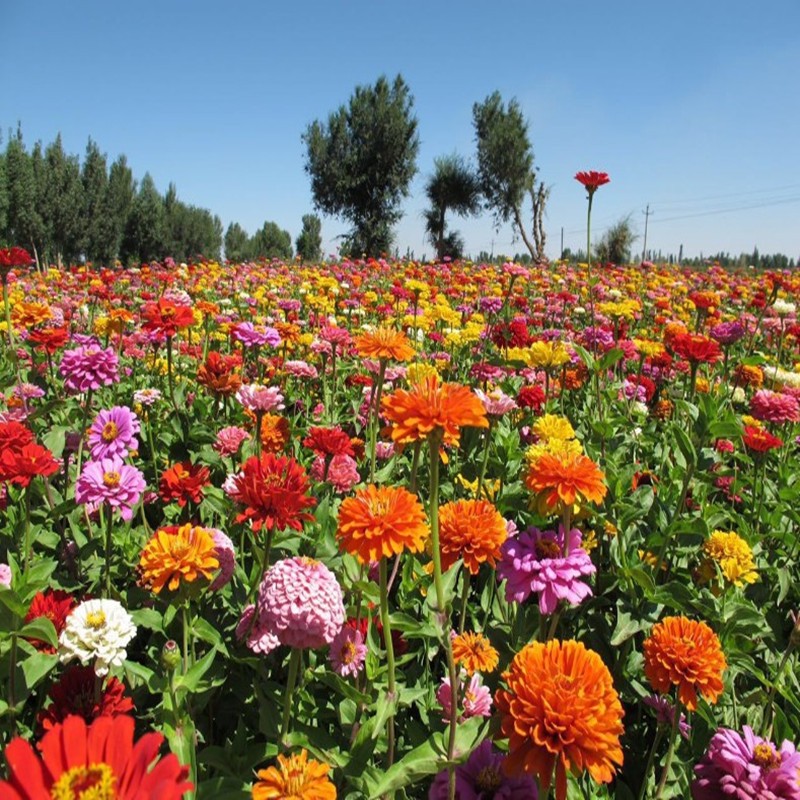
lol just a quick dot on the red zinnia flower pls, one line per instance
(51, 340)
(273, 491)
(166, 317)
(183, 482)
(592, 180)
(20, 466)
(696, 349)
(329, 442)
(14, 436)
(531, 397)
(14, 257)
(74, 693)
(101, 759)
(56, 605)
(760, 440)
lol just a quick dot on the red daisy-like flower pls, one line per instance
(51, 340)
(74, 693)
(102, 759)
(56, 605)
(166, 317)
(183, 482)
(273, 491)
(696, 349)
(329, 442)
(14, 257)
(760, 440)
(14, 436)
(592, 180)
(21, 466)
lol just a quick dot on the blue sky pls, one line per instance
(691, 107)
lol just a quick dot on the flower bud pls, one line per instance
(170, 655)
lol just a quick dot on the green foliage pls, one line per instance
(309, 241)
(615, 246)
(99, 238)
(145, 228)
(62, 203)
(361, 162)
(237, 243)
(452, 187)
(24, 225)
(271, 242)
(189, 232)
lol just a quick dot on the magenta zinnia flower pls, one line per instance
(747, 768)
(775, 407)
(482, 777)
(300, 601)
(112, 482)
(250, 336)
(534, 561)
(348, 652)
(89, 367)
(476, 700)
(341, 473)
(112, 434)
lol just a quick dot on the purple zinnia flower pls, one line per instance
(482, 778)
(348, 652)
(728, 333)
(112, 482)
(534, 561)
(112, 434)
(250, 336)
(747, 768)
(300, 601)
(89, 367)
(665, 713)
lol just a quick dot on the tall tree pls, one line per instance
(615, 246)
(99, 240)
(62, 203)
(362, 160)
(452, 187)
(24, 225)
(119, 201)
(237, 243)
(271, 242)
(505, 168)
(145, 228)
(309, 242)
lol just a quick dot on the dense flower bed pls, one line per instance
(370, 529)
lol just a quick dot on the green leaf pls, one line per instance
(222, 789)
(35, 667)
(12, 602)
(191, 680)
(41, 629)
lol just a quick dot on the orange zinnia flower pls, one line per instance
(472, 530)
(474, 652)
(687, 654)
(384, 344)
(381, 522)
(294, 778)
(183, 482)
(218, 376)
(430, 405)
(564, 478)
(175, 555)
(560, 709)
(274, 433)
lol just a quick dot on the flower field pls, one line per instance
(384, 529)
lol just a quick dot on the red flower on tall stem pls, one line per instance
(273, 491)
(55, 605)
(183, 482)
(592, 180)
(21, 466)
(166, 317)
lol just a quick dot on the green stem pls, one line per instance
(589, 259)
(465, 585)
(109, 526)
(673, 735)
(650, 759)
(186, 630)
(294, 668)
(27, 532)
(169, 373)
(388, 644)
(412, 486)
(82, 431)
(375, 421)
(485, 460)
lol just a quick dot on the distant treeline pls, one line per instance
(64, 210)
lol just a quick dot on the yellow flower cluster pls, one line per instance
(728, 552)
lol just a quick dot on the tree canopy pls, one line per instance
(361, 162)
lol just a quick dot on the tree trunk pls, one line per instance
(521, 229)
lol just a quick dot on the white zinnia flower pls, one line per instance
(99, 631)
(783, 307)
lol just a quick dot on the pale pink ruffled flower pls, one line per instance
(300, 369)
(254, 634)
(230, 439)
(476, 700)
(225, 552)
(255, 397)
(342, 472)
(496, 402)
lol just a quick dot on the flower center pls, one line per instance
(110, 431)
(309, 562)
(547, 548)
(348, 654)
(765, 756)
(93, 782)
(96, 619)
(295, 782)
(111, 479)
(489, 779)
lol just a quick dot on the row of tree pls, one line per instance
(362, 159)
(65, 210)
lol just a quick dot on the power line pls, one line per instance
(784, 201)
(726, 195)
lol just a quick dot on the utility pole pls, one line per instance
(646, 220)
(491, 255)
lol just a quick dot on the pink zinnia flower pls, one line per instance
(335, 335)
(342, 472)
(348, 652)
(146, 397)
(89, 367)
(112, 482)
(496, 402)
(250, 336)
(747, 768)
(300, 369)
(112, 434)
(255, 397)
(534, 561)
(477, 698)
(300, 601)
(254, 633)
(774, 407)
(225, 552)
(230, 439)
(5, 575)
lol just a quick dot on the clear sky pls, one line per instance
(692, 107)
